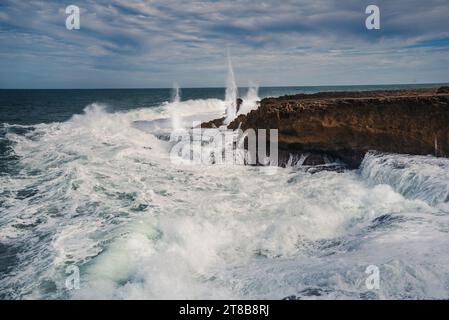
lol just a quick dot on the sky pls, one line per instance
(154, 43)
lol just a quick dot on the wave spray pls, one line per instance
(176, 99)
(231, 94)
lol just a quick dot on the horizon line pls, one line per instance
(223, 87)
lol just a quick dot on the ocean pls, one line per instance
(88, 193)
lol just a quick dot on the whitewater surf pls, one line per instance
(100, 193)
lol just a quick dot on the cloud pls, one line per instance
(153, 43)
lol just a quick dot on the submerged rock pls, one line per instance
(314, 160)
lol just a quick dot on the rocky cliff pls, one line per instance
(346, 125)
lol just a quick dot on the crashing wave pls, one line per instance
(416, 177)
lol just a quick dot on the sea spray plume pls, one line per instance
(250, 102)
(253, 91)
(231, 94)
(176, 93)
(176, 98)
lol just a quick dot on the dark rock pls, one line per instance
(444, 89)
(346, 125)
(292, 297)
(213, 123)
(314, 160)
(239, 103)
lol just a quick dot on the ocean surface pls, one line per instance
(86, 185)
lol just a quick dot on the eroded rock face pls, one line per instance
(444, 89)
(348, 124)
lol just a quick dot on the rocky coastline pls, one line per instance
(346, 125)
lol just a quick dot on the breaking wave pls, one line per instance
(415, 177)
(100, 192)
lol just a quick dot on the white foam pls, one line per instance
(109, 201)
(417, 177)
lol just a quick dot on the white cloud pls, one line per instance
(272, 42)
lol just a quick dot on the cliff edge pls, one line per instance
(346, 125)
